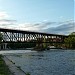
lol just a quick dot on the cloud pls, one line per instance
(6, 21)
(4, 15)
(35, 26)
(63, 28)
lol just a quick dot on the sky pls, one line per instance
(50, 16)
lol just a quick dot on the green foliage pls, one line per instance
(27, 73)
(3, 68)
(70, 41)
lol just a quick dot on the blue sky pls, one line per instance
(38, 12)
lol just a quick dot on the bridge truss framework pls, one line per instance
(10, 35)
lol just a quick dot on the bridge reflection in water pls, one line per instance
(14, 36)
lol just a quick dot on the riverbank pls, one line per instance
(16, 70)
(4, 70)
(12, 66)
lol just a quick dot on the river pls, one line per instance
(52, 62)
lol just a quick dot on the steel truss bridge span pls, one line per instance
(12, 35)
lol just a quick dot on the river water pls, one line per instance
(52, 62)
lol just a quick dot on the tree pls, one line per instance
(70, 41)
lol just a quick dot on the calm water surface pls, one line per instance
(54, 62)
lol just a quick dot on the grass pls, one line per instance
(27, 73)
(4, 70)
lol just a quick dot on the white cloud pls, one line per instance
(35, 26)
(63, 28)
(45, 26)
(29, 26)
(6, 21)
(4, 15)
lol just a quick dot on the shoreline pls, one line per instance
(4, 69)
(16, 70)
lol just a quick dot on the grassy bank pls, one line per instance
(4, 70)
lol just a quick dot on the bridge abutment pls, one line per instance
(3, 46)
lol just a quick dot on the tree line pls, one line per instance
(70, 41)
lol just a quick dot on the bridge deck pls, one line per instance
(28, 32)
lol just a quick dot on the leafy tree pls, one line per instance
(70, 41)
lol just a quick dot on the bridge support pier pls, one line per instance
(4, 46)
(0, 46)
